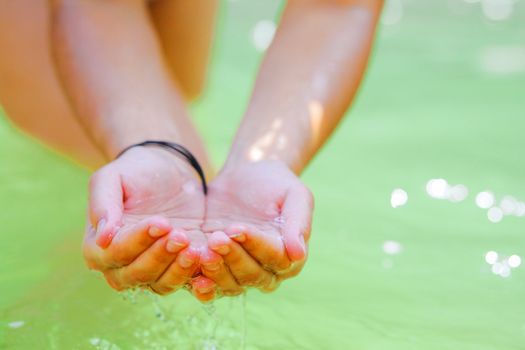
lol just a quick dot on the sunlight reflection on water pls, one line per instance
(441, 189)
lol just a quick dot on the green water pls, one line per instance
(443, 98)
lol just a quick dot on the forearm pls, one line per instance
(113, 71)
(307, 80)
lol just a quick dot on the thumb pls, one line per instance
(297, 214)
(105, 204)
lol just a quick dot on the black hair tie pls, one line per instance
(178, 149)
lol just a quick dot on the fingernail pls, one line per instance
(212, 266)
(174, 246)
(100, 226)
(222, 249)
(185, 261)
(154, 231)
(302, 243)
(238, 237)
(204, 290)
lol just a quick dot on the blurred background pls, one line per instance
(419, 230)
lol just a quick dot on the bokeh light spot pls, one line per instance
(438, 188)
(514, 261)
(491, 257)
(485, 199)
(392, 12)
(497, 10)
(392, 247)
(495, 214)
(398, 198)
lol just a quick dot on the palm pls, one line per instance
(246, 195)
(254, 195)
(154, 184)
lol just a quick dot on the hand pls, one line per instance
(145, 213)
(258, 220)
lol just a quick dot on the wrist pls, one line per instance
(240, 156)
(179, 156)
(119, 141)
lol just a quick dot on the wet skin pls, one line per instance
(152, 229)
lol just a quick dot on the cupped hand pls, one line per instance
(145, 214)
(258, 220)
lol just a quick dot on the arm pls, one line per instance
(307, 80)
(146, 207)
(111, 65)
(306, 83)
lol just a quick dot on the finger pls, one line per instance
(297, 213)
(90, 250)
(105, 204)
(150, 265)
(265, 247)
(247, 272)
(213, 267)
(130, 242)
(293, 271)
(179, 272)
(204, 289)
(272, 285)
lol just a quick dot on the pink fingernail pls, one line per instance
(238, 237)
(222, 249)
(303, 244)
(204, 290)
(185, 262)
(155, 231)
(100, 226)
(174, 246)
(212, 266)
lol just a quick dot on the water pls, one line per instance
(443, 100)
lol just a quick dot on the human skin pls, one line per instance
(29, 73)
(315, 64)
(310, 74)
(306, 83)
(112, 68)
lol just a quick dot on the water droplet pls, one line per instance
(280, 220)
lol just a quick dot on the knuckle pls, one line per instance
(250, 279)
(141, 277)
(282, 265)
(174, 282)
(218, 273)
(113, 283)
(117, 255)
(161, 289)
(91, 258)
(292, 272)
(161, 258)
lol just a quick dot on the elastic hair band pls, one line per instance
(178, 149)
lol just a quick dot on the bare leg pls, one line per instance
(185, 29)
(30, 92)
